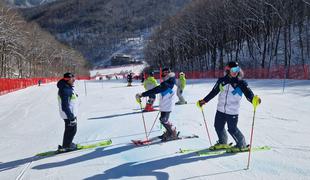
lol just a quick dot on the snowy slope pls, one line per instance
(30, 124)
(134, 68)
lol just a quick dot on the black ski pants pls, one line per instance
(232, 121)
(69, 134)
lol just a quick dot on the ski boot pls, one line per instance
(236, 149)
(149, 108)
(62, 149)
(219, 146)
(170, 136)
(165, 134)
(181, 102)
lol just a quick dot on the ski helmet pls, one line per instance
(68, 75)
(232, 64)
(151, 73)
(166, 70)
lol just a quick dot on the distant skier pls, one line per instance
(39, 82)
(230, 89)
(167, 91)
(150, 83)
(142, 77)
(67, 99)
(129, 79)
(181, 83)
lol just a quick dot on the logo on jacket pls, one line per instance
(166, 92)
(237, 91)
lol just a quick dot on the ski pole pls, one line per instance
(255, 103)
(153, 124)
(204, 119)
(139, 102)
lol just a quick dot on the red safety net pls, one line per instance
(9, 85)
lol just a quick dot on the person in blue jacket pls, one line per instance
(67, 99)
(166, 104)
(230, 88)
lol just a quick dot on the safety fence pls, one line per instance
(13, 84)
(280, 72)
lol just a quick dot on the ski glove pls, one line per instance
(73, 122)
(138, 97)
(200, 103)
(256, 100)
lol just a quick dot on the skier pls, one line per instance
(39, 82)
(230, 89)
(129, 79)
(181, 83)
(142, 78)
(67, 106)
(167, 91)
(148, 84)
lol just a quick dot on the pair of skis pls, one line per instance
(207, 152)
(79, 147)
(159, 140)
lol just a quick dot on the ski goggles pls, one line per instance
(232, 69)
(235, 69)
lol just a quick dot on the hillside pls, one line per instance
(98, 28)
(27, 3)
(27, 51)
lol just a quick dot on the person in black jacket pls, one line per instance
(67, 107)
(230, 88)
(129, 79)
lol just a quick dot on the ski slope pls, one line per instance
(30, 124)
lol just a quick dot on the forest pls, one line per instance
(28, 51)
(257, 33)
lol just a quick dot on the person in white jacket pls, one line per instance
(230, 88)
(166, 104)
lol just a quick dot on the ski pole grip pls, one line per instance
(198, 105)
(138, 98)
(138, 101)
(255, 101)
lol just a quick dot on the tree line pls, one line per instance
(208, 33)
(27, 51)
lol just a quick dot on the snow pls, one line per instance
(134, 68)
(30, 124)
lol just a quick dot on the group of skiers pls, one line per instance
(230, 88)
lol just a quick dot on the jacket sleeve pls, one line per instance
(214, 91)
(246, 90)
(161, 88)
(65, 98)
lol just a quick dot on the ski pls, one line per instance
(145, 111)
(207, 152)
(79, 147)
(158, 140)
